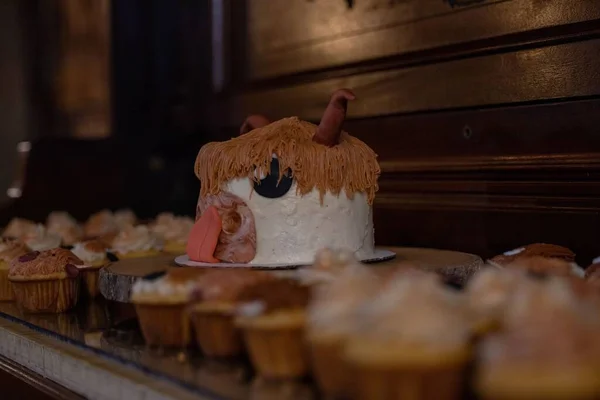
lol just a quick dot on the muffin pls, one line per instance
(538, 250)
(64, 225)
(213, 316)
(272, 317)
(18, 227)
(487, 294)
(174, 231)
(135, 242)
(41, 239)
(101, 225)
(547, 266)
(332, 318)
(549, 349)
(9, 249)
(413, 341)
(46, 281)
(93, 254)
(160, 303)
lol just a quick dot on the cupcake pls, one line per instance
(174, 230)
(272, 317)
(332, 318)
(9, 249)
(592, 273)
(213, 316)
(18, 227)
(135, 242)
(487, 294)
(101, 225)
(538, 250)
(41, 239)
(124, 218)
(64, 225)
(160, 303)
(93, 254)
(46, 281)
(549, 349)
(413, 341)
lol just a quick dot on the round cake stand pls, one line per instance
(117, 278)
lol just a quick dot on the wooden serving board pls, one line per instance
(117, 278)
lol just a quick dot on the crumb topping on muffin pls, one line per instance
(48, 264)
(535, 250)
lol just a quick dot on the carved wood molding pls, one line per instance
(471, 164)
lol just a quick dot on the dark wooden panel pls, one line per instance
(567, 70)
(310, 35)
(18, 382)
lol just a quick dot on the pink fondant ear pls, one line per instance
(253, 122)
(330, 128)
(204, 236)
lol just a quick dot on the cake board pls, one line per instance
(117, 278)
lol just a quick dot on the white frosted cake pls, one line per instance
(283, 190)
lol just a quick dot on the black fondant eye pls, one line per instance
(270, 186)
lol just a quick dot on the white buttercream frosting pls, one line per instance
(514, 252)
(64, 225)
(41, 239)
(86, 255)
(417, 308)
(292, 228)
(124, 218)
(162, 288)
(136, 238)
(173, 228)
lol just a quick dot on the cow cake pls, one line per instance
(283, 190)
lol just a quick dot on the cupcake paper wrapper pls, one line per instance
(277, 353)
(444, 382)
(216, 334)
(329, 367)
(164, 325)
(89, 278)
(55, 296)
(6, 290)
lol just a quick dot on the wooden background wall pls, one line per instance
(485, 114)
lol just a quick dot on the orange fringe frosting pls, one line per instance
(351, 165)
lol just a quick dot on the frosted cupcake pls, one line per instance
(160, 305)
(414, 340)
(549, 349)
(101, 225)
(9, 249)
(213, 316)
(272, 318)
(41, 239)
(124, 218)
(64, 225)
(93, 254)
(332, 318)
(46, 281)
(328, 264)
(18, 227)
(174, 230)
(488, 293)
(135, 242)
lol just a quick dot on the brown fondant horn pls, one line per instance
(329, 130)
(253, 122)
